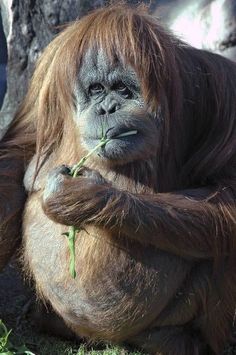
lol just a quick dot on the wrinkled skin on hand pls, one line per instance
(89, 189)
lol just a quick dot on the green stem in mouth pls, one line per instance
(76, 168)
(71, 234)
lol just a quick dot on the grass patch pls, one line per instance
(12, 343)
(6, 346)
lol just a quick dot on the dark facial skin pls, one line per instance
(109, 102)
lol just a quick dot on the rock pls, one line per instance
(206, 24)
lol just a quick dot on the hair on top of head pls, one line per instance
(126, 34)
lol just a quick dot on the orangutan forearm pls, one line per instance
(12, 199)
(12, 192)
(195, 223)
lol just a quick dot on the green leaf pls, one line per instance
(6, 347)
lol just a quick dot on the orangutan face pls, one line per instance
(109, 102)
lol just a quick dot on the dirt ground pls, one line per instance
(16, 301)
(13, 296)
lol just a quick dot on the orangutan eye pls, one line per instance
(122, 89)
(96, 88)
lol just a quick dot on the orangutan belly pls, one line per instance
(120, 288)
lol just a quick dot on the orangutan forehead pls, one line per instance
(97, 67)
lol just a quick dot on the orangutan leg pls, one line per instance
(47, 321)
(170, 341)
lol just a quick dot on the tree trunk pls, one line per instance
(29, 26)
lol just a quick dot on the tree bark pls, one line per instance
(29, 26)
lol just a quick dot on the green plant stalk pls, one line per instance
(71, 244)
(71, 234)
(75, 169)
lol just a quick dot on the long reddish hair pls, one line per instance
(195, 90)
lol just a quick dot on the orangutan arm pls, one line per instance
(198, 223)
(12, 198)
(16, 149)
